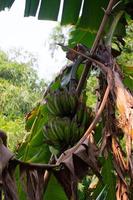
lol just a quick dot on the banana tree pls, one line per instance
(72, 151)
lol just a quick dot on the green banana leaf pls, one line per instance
(128, 81)
(54, 190)
(34, 150)
(85, 15)
(83, 36)
(102, 195)
(49, 10)
(109, 178)
(106, 189)
(31, 7)
(6, 3)
(91, 9)
(71, 10)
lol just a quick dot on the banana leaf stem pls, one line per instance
(95, 44)
(110, 34)
(75, 66)
(101, 65)
(33, 131)
(35, 165)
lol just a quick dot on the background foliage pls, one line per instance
(20, 89)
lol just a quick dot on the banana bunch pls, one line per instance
(62, 102)
(70, 119)
(62, 133)
(83, 115)
(57, 132)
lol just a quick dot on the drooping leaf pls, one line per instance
(128, 81)
(5, 156)
(109, 178)
(31, 7)
(102, 195)
(54, 190)
(70, 13)
(106, 189)
(49, 10)
(76, 165)
(5, 4)
(120, 29)
(34, 148)
(9, 185)
(91, 12)
(32, 181)
(122, 191)
(80, 36)
(56, 83)
(30, 117)
(91, 9)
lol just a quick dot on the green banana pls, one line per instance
(74, 132)
(52, 141)
(53, 131)
(65, 103)
(57, 104)
(59, 131)
(81, 131)
(64, 126)
(73, 100)
(62, 102)
(49, 135)
(79, 114)
(70, 119)
(85, 119)
(45, 133)
(67, 131)
(50, 105)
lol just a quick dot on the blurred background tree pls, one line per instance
(126, 58)
(20, 89)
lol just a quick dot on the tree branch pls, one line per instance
(102, 66)
(35, 165)
(95, 44)
(102, 26)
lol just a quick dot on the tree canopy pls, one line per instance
(20, 90)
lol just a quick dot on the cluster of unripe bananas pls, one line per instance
(70, 119)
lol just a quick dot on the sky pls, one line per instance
(32, 35)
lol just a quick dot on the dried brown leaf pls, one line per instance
(77, 165)
(119, 160)
(33, 182)
(124, 102)
(5, 156)
(121, 193)
(9, 185)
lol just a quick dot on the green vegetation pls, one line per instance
(20, 90)
(126, 57)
